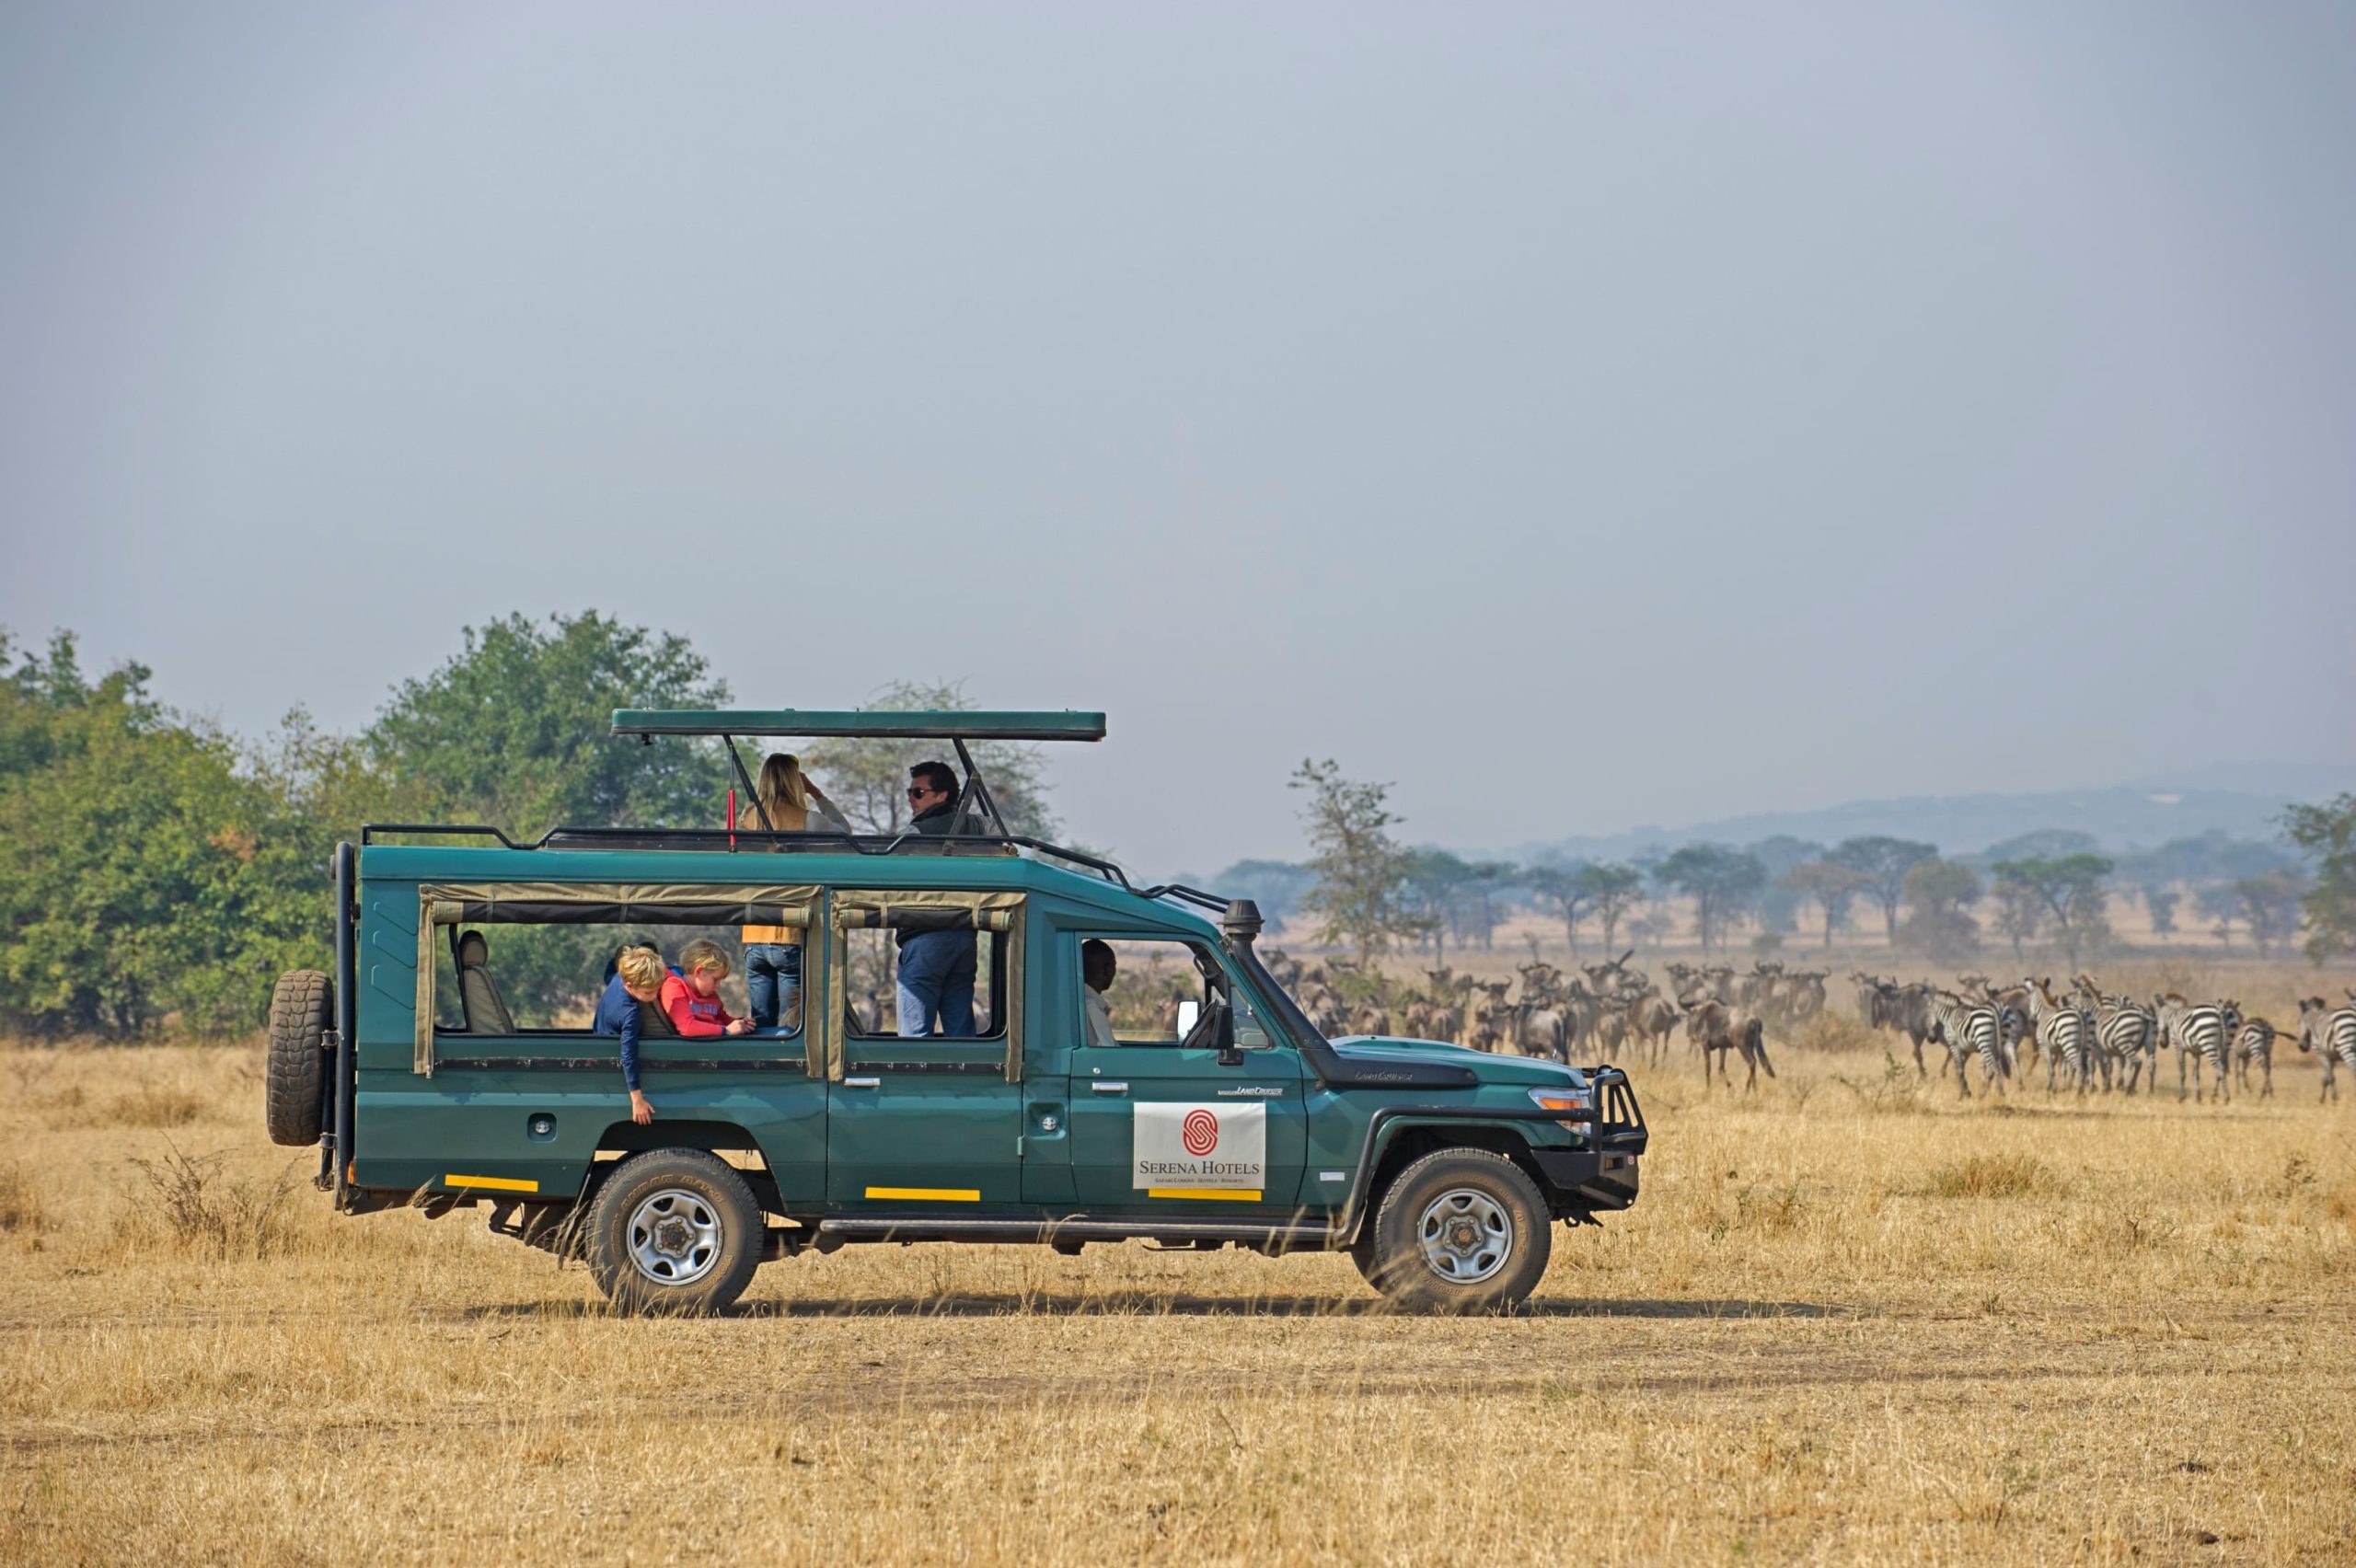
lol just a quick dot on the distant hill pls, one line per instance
(2122, 818)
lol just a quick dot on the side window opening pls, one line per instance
(1160, 992)
(516, 978)
(874, 1000)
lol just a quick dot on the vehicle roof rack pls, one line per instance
(817, 723)
(820, 842)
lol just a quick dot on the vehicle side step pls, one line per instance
(945, 1227)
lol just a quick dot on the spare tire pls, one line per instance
(302, 1011)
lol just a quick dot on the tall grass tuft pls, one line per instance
(1992, 1176)
(188, 1200)
(21, 1207)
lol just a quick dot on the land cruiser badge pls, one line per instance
(1199, 1146)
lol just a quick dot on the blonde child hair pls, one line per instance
(640, 968)
(701, 954)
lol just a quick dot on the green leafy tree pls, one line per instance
(1362, 896)
(1938, 925)
(1721, 882)
(1435, 879)
(1885, 862)
(148, 877)
(515, 730)
(867, 778)
(2327, 833)
(1831, 888)
(2068, 891)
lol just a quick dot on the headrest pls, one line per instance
(472, 949)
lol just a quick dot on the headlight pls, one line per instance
(1578, 1098)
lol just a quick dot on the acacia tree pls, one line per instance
(1884, 862)
(867, 778)
(2068, 890)
(1361, 898)
(1938, 896)
(1832, 888)
(2270, 903)
(1720, 882)
(2327, 834)
(1611, 888)
(1564, 887)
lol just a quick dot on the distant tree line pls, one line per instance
(2048, 891)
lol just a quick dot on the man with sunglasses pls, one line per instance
(936, 979)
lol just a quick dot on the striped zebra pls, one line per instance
(2126, 1031)
(2330, 1033)
(2195, 1030)
(2062, 1037)
(2254, 1041)
(1970, 1029)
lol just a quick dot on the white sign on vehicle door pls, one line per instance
(1195, 1146)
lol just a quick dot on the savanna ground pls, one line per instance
(1848, 1321)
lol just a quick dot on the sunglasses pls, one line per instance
(917, 791)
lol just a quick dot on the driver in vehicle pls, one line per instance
(1098, 965)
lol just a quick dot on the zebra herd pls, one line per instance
(2086, 1036)
(2091, 1034)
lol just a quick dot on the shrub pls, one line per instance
(188, 1201)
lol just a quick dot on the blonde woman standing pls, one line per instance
(773, 954)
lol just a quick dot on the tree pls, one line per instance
(1885, 863)
(2327, 833)
(1435, 879)
(1779, 902)
(146, 876)
(2270, 903)
(1361, 897)
(1829, 887)
(867, 778)
(515, 729)
(1939, 894)
(1720, 882)
(1612, 890)
(2020, 914)
(2068, 891)
(2161, 903)
(1562, 886)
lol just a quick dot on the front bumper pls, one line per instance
(1603, 1174)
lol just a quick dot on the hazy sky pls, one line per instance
(1580, 416)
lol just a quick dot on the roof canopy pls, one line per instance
(975, 724)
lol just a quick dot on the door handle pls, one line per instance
(861, 1082)
(1108, 1089)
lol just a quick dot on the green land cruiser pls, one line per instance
(1210, 1114)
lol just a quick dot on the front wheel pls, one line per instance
(1460, 1230)
(673, 1232)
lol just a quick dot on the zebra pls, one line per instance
(2125, 1030)
(2330, 1033)
(1969, 1029)
(2254, 1041)
(2194, 1030)
(2061, 1035)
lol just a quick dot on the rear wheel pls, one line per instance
(675, 1231)
(302, 1011)
(1460, 1230)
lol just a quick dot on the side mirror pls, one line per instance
(1222, 1022)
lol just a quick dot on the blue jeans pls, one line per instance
(937, 982)
(772, 980)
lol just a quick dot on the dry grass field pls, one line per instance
(1849, 1322)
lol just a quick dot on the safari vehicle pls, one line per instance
(1229, 1122)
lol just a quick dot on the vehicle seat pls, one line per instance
(478, 999)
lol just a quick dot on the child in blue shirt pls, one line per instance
(638, 979)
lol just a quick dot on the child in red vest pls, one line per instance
(691, 994)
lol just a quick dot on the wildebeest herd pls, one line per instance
(2085, 1038)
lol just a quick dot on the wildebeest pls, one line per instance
(1718, 1027)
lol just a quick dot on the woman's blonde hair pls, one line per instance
(782, 787)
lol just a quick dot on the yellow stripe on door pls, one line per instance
(1229, 1194)
(496, 1184)
(930, 1194)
